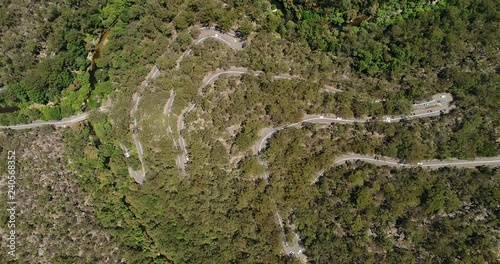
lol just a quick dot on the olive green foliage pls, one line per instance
(409, 216)
(222, 210)
(53, 209)
(360, 212)
(45, 56)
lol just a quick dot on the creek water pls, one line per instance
(91, 70)
(98, 53)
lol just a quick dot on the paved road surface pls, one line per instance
(439, 103)
(58, 123)
(417, 112)
(182, 158)
(63, 122)
(205, 33)
(429, 164)
(227, 38)
(168, 105)
(137, 175)
(235, 71)
(136, 98)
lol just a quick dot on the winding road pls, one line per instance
(429, 164)
(58, 123)
(205, 33)
(229, 38)
(327, 119)
(440, 104)
(136, 98)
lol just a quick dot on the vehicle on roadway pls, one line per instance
(339, 118)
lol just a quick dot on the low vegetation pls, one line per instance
(382, 55)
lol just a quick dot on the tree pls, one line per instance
(245, 29)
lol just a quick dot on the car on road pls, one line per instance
(420, 164)
(442, 96)
(339, 118)
(430, 111)
(321, 116)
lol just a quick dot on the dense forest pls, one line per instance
(368, 214)
(59, 58)
(46, 58)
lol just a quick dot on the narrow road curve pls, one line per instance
(58, 123)
(229, 38)
(429, 164)
(205, 33)
(440, 103)
(440, 108)
(136, 98)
